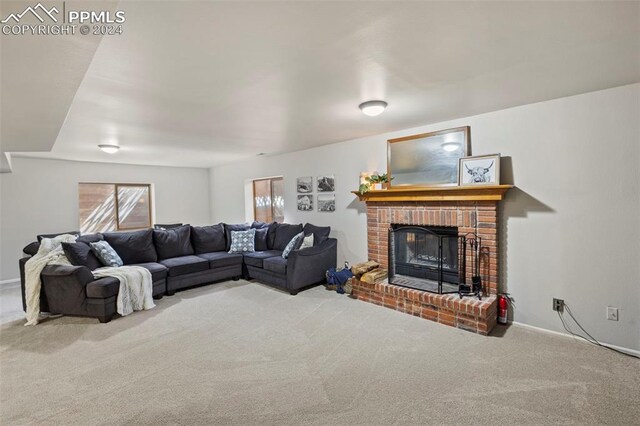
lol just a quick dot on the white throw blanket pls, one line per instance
(49, 253)
(136, 287)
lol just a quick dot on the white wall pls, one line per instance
(41, 196)
(569, 230)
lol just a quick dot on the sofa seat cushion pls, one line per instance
(221, 259)
(103, 288)
(277, 265)
(185, 265)
(256, 258)
(157, 270)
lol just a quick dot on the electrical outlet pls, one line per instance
(612, 313)
(558, 305)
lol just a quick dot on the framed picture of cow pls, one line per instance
(480, 170)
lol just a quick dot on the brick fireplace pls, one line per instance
(470, 210)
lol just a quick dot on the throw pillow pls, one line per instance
(292, 244)
(261, 239)
(207, 239)
(307, 242)
(174, 242)
(80, 254)
(231, 227)
(243, 241)
(106, 253)
(32, 248)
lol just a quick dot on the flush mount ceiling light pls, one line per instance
(372, 108)
(109, 148)
(450, 146)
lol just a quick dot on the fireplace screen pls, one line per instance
(426, 258)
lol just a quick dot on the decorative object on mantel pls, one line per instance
(428, 159)
(480, 170)
(304, 184)
(375, 182)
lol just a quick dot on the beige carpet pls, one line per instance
(243, 353)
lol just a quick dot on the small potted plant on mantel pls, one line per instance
(375, 182)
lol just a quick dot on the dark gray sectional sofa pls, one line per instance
(180, 258)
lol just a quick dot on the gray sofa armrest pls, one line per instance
(308, 266)
(65, 288)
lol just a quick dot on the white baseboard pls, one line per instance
(10, 283)
(558, 333)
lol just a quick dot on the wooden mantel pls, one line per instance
(445, 193)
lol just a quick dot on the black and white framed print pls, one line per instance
(480, 170)
(304, 184)
(326, 202)
(326, 183)
(305, 203)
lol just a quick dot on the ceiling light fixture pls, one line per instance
(450, 146)
(372, 108)
(108, 148)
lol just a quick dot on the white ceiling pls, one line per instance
(200, 84)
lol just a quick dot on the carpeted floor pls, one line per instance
(244, 353)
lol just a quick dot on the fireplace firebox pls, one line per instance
(431, 258)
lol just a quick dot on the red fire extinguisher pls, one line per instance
(503, 307)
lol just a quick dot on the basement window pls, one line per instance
(107, 207)
(268, 199)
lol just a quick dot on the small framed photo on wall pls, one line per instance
(479, 170)
(326, 183)
(326, 202)
(304, 184)
(305, 203)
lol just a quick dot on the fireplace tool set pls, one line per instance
(475, 288)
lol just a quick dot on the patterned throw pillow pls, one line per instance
(307, 242)
(106, 253)
(292, 244)
(243, 241)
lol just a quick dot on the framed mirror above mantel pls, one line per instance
(427, 159)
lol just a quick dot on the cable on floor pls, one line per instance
(591, 339)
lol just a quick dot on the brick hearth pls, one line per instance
(469, 217)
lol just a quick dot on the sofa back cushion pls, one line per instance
(80, 254)
(284, 233)
(320, 233)
(89, 238)
(173, 242)
(231, 227)
(261, 243)
(270, 235)
(207, 239)
(133, 247)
